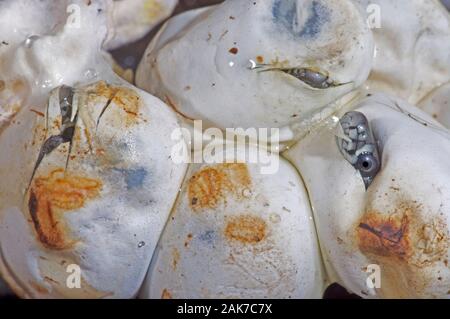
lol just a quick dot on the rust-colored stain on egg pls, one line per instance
(209, 186)
(38, 134)
(403, 244)
(234, 50)
(166, 294)
(125, 98)
(39, 113)
(53, 195)
(39, 288)
(175, 258)
(18, 86)
(384, 235)
(153, 10)
(247, 229)
(188, 240)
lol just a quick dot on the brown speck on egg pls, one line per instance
(234, 50)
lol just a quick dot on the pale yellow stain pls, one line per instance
(153, 10)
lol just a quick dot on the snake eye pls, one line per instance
(368, 165)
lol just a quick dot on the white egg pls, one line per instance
(87, 182)
(100, 204)
(96, 203)
(412, 40)
(400, 226)
(229, 65)
(237, 233)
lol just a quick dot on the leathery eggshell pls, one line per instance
(401, 224)
(200, 63)
(104, 212)
(237, 233)
(437, 104)
(412, 41)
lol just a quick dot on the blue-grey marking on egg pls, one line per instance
(285, 13)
